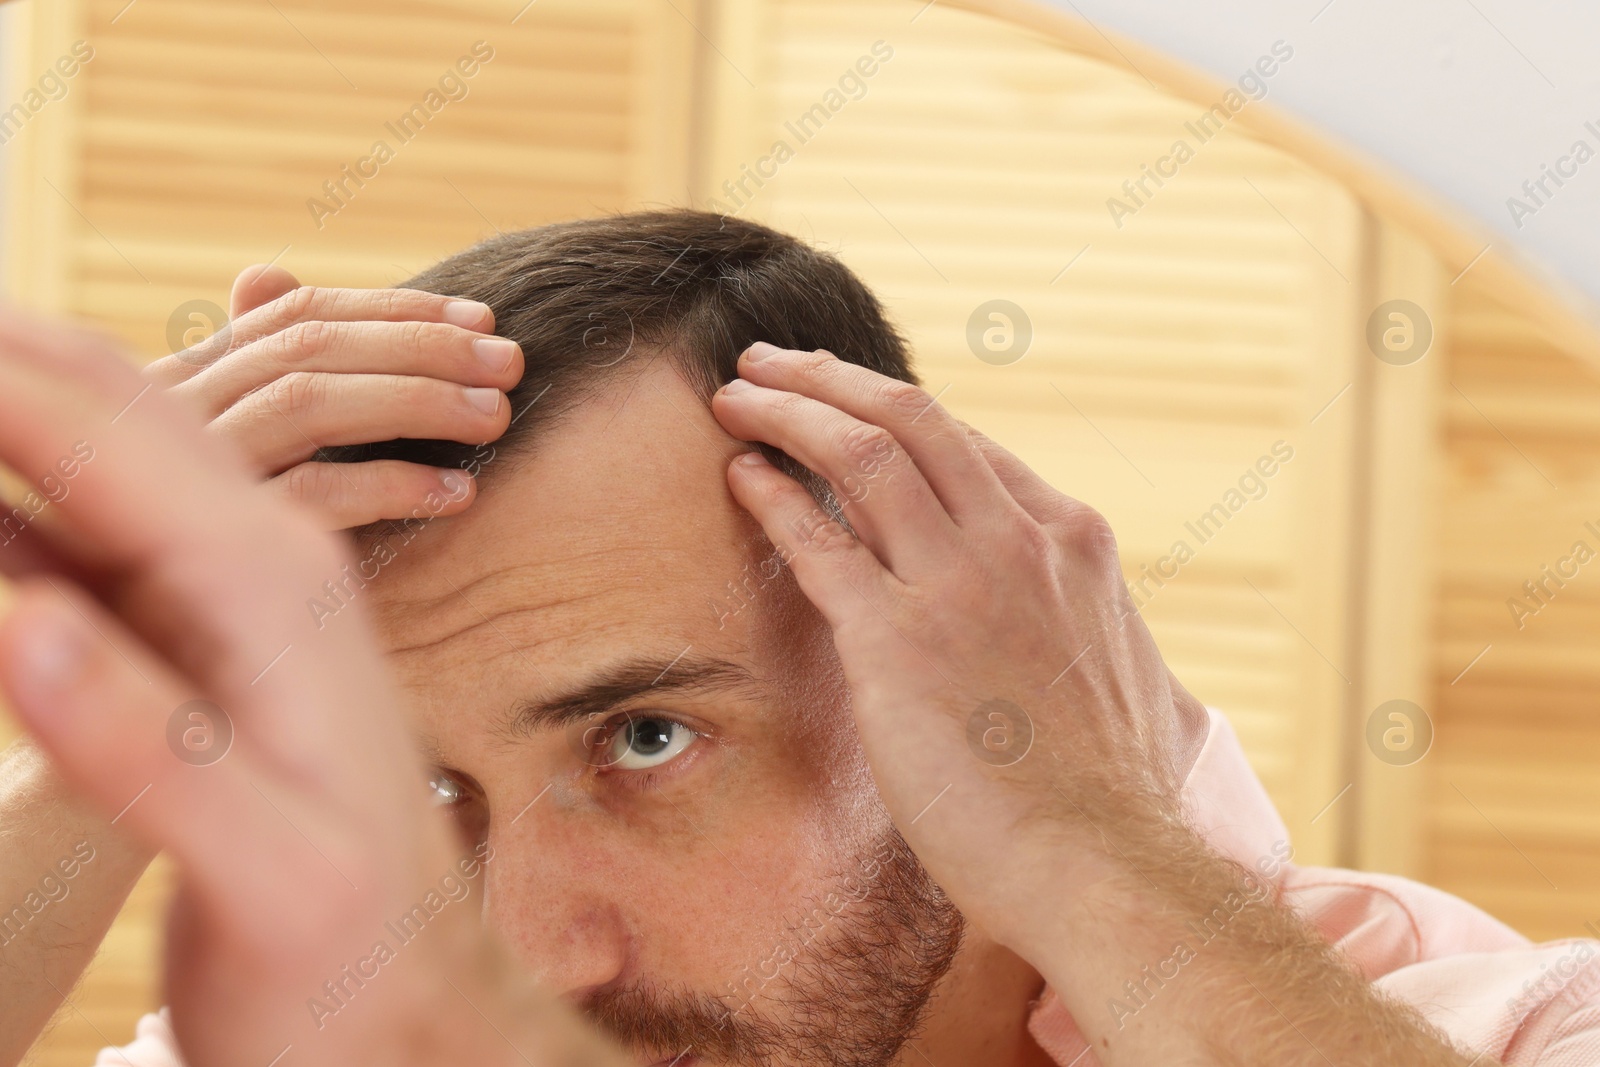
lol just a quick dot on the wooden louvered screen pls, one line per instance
(195, 140)
(1166, 360)
(1512, 791)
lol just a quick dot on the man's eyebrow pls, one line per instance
(622, 683)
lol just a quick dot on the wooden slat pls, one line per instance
(1513, 792)
(1395, 516)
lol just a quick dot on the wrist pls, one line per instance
(1096, 848)
(1164, 919)
(1113, 889)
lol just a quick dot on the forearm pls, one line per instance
(64, 874)
(1172, 954)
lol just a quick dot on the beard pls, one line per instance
(848, 995)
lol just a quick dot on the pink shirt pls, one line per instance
(1488, 987)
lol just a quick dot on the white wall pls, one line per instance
(1468, 97)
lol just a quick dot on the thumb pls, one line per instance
(258, 285)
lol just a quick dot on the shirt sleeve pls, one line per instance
(1554, 1014)
(153, 1045)
(1575, 1042)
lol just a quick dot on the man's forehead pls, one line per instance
(618, 520)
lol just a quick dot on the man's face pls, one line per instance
(647, 721)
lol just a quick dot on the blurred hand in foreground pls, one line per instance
(300, 824)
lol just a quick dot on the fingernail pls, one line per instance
(455, 484)
(759, 351)
(485, 400)
(738, 385)
(496, 353)
(468, 314)
(50, 653)
(752, 459)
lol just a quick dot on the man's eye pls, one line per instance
(445, 791)
(458, 797)
(644, 743)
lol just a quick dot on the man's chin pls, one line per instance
(682, 1059)
(850, 998)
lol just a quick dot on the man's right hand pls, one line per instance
(300, 368)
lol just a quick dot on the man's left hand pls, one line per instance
(1009, 698)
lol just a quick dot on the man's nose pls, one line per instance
(544, 897)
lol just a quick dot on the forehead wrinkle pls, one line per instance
(500, 637)
(400, 615)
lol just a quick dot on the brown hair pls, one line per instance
(587, 299)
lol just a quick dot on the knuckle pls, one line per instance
(1031, 542)
(787, 405)
(903, 400)
(310, 483)
(294, 393)
(304, 340)
(867, 448)
(395, 301)
(296, 304)
(774, 495)
(813, 365)
(414, 334)
(1088, 533)
(828, 535)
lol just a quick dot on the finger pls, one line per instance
(313, 304)
(879, 487)
(65, 395)
(935, 440)
(836, 572)
(346, 495)
(426, 349)
(102, 704)
(1037, 497)
(309, 303)
(28, 340)
(44, 525)
(1073, 523)
(253, 287)
(34, 537)
(257, 285)
(285, 422)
